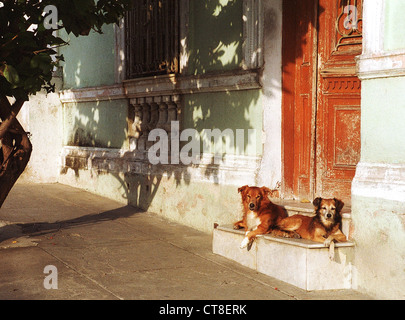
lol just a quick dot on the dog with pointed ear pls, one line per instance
(325, 227)
(260, 215)
(328, 211)
(338, 203)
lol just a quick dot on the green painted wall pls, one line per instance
(380, 253)
(229, 110)
(394, 21)
(378, 217)
(215, 35)
(96, 124)
(215, 41)
(383, 114)
(90, 61)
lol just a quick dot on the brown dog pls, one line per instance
(325, 227)
(260, 215)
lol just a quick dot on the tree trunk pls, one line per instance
(15, 147)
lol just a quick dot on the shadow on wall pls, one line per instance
(215, 41)
(216, 36)
(99, 124)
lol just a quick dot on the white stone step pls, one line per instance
(302, 263)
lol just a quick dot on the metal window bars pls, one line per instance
(152, 38)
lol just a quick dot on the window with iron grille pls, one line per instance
(152, 38)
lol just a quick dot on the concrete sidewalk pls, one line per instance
(104, 250)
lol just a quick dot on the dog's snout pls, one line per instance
(329, 215)
(251, 206)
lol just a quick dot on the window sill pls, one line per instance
(167, 85)
(174, 84)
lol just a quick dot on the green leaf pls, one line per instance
(42, 61)
(11, 74)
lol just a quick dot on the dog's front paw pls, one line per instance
(244, 243)
(296, 235)
(327, 242)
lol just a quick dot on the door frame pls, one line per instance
(290, 187)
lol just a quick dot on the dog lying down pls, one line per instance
(324, 227)
(261, 216)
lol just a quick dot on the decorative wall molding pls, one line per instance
(172, 84)
(147, 114)
(341, 85)
(375, 62)
(230, 170)
(166, 85)
(105, 93)
(120, 67)
(381, 65)
(373, 26)
(380, 181)
(253, 22)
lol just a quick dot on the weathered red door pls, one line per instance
(321, 97)
(339, 95)
(299, 96)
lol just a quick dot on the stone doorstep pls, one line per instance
(302, 263)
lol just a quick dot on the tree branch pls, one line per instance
(9, 113)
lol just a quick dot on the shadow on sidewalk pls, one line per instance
(10, 231)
